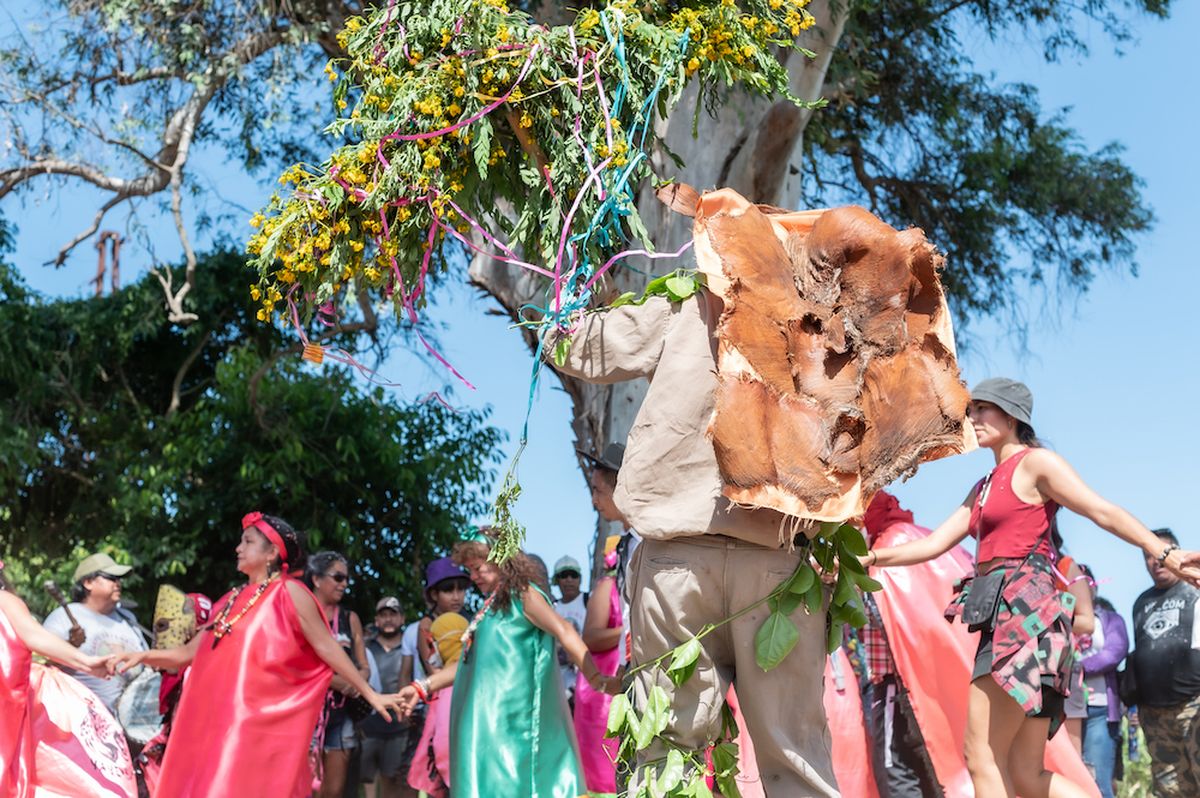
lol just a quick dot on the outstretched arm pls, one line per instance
(317, 634)
(409, 697)
(949, 534)
(1057, 480)
(37, 639)
(539, 613)
(161, 659)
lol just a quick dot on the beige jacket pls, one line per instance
(669, 484)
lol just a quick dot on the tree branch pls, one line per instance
(184, 367)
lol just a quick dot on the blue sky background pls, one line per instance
(1113, 375)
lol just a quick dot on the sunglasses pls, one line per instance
(339, 578)
(109, 577)
(568, 575)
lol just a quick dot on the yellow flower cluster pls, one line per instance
(327, 231)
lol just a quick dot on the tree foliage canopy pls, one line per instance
(913, 130)
(92, 457)
(917, 134)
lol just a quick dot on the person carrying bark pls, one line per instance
(753, 428)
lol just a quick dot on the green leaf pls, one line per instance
(845, 592)
(789, 602)
(725, 768)
(672, 773)
(803, 579)
(835, 638)
(562, 350)
(680, 287)
(852, 540)
(658, 710)
(867, 583)
(774, 640)
(698, 786)
(618, 712)
(627, 298)
(640, 730)
(815, 598)
(683, 662)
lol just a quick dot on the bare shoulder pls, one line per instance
(303, 600)
(532, 597)
(1045, 461)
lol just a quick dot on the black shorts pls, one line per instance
(1052, 700)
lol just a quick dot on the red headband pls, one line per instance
(257, 521)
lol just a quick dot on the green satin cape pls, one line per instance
(510, 730)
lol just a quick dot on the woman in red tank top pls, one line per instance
(1023, 666)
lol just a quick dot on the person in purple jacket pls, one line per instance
(1100, 655)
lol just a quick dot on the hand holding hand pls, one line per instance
(385, 705)
(407, 700)
(605, 684)
(1185, 565)
(100, 667)
(120, 663)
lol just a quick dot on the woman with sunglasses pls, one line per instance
(1023, 665)
(258, 679)
(328, 575)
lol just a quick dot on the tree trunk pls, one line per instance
(753, 146)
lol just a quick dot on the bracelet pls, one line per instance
(1162, 558)
(874, 558)
(422, 692)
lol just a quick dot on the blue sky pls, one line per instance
(1112, 374)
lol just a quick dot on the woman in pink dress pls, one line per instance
(257, 681)
(604, 633)
(56, 738)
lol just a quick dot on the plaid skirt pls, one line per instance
(1031, 639)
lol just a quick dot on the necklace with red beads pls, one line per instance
(223, 625)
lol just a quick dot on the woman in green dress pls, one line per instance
(511, 735)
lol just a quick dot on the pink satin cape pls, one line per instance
(844, 712)
(249, 707)
(56, 739)
(935, 659)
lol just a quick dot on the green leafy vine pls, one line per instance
(829, 566)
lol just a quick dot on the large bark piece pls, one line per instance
(836, 368)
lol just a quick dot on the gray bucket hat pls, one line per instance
(1011, 396)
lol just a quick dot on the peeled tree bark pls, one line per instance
(748, 144)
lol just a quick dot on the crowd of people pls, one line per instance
(499, 684)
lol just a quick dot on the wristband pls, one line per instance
(421, 691)
(1162, 558)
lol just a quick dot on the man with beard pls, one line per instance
(384, 765)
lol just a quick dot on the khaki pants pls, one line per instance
(678, 586)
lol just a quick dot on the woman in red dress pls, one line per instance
(257, 682)
(56, 738)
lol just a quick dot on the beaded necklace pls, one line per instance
(470, 633)
(223, 625)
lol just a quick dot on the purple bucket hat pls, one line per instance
(440, 570)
